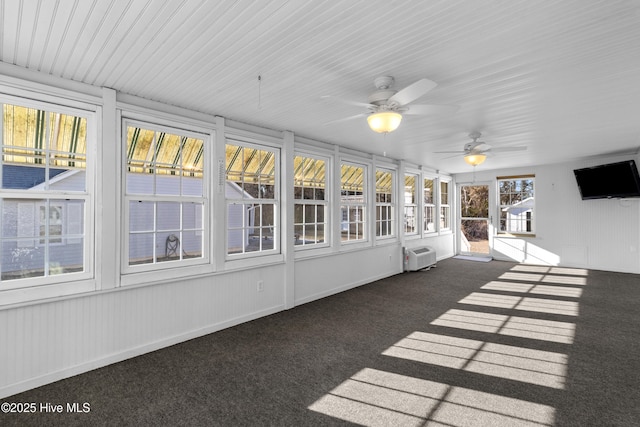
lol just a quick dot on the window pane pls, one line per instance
(298, 231)
(192, 244)
(168, 246)
(253, 169)
(192, 216)
(410, 219)
(429, 218)
(168, 216)
(21, 260)
(163, 163)
(237, 234)
(141, 216)
(298, 214)
(20, 218)
(352, 181)
(410, 189)
(34, 139)
(444, 193)
(193, 167)
(309, 178)
(310, 214)
(384, 185)
(167, 184)
(42, 232)
(140, 183)
(141, 248)
(444, 217)
(68, 257)
(428, 191)
(320, 233)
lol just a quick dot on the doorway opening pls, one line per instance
(474, 236)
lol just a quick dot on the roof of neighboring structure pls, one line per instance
(18, 177)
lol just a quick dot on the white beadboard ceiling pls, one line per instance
(561, 77)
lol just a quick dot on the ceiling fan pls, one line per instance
(475, 152)
(387, 106)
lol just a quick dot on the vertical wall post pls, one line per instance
(218, 206)
(107, 201)
(287, 218)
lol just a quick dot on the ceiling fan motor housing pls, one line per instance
(380, 97)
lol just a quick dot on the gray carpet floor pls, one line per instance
(463, 344)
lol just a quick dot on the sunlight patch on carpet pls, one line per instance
(377, 398)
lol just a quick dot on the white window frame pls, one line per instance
(326, 202)
(444, 205)
(411, 204)
(390, 206)
(502, 207)
(204, 199)
(33, 288)
(432, 205)
(361, 220)
(275, 202)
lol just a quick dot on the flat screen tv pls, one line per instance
(613, 180)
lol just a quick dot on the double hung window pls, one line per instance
(410, 205)
(252, 194)
(385, 204)
(165, 197)
(428, 196)
(517, 204)
(311, 204)
(46, 196)
(445, 206)
(353, 202)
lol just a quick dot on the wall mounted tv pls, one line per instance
(613, 180)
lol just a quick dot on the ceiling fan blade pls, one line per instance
(449, 152)
(345, 119)
(412, 92)
(347, 101)
(428, 110)
(502, 149)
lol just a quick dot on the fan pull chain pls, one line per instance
(259, 91)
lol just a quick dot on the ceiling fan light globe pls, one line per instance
(475, 159)
(385, 121)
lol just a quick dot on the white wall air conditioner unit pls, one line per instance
(419, 258)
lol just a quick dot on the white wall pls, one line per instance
(48, 341)
(596, 234)
(319, 277)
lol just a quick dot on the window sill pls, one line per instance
(390, 240)
(37, 294)
(165, 274)
(515, 235)
(253, 262)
